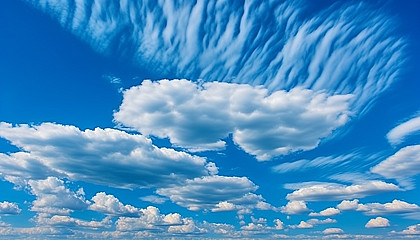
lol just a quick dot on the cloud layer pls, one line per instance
(198, 116)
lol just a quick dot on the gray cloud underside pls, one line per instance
(102, 156)
(348, 49)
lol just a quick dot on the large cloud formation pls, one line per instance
(346, 49)
(199, 116)
(102, 156)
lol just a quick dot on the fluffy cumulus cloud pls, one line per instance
(111, 205)
(199, 116)
(400, 132)
(320, 191)
(378, 222)
(403, 165)
(53, 197)
(325, 213)
(43, 219)
(333, 231)
(216, 193)
(311, 223)
(129, 160)
(295, 207)
(411, 230)
(149, 218)
(348, 48)
(9, 208)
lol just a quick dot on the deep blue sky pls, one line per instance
(292, 119)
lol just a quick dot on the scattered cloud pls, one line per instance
(9, 208)
(43, 219)
(81, 155)
(295, 207)
(326, 212)
(394, 207)
(347, 205)
(378, 222)
(53, 197)
(321, 191)
(402, 166)
(198, 116)
(400, 132)
(111, 205)
(216, 193)
(411, 230)
(333, 231)
(311, 223)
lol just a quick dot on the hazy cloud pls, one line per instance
(400, 132)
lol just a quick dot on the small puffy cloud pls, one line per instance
(347, 205)
(224, 206)
(412, 230)
(188, 226)
(199, 116)
(401, 166)
(278, 224)
(312, 223)
(53, 197)
(295, 207)
(111, 205)
(129, 160)
(378, 222)
(400, 132)
(333, 231)
(254, 227)
(214, 193)
(326, 212)
(149, 218)
(320, 191)
(9, 208)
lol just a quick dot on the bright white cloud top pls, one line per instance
(198, 117)
(400, 132)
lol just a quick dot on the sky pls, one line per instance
(209, 119)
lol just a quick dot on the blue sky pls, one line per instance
(209, 119)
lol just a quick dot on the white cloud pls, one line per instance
(403, 165)
(312, 223)
(149, 218)
(400, 132)
(347, 205)
(295, 207)
(53, 197)
(279, 225)
(214, 193)
(348, 48)
(9, 208)
(188, 226)
(334, 191)
(66, 221)
(378, 222)
(224, 206)
(66, 151)
(303, 164)
(153, 199)
(326, 212)
(412, 230)
(109, 204)
(198, 117)
(333, 231)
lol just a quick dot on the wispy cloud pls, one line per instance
(403, 165)
(403, 130)
(344, 49)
